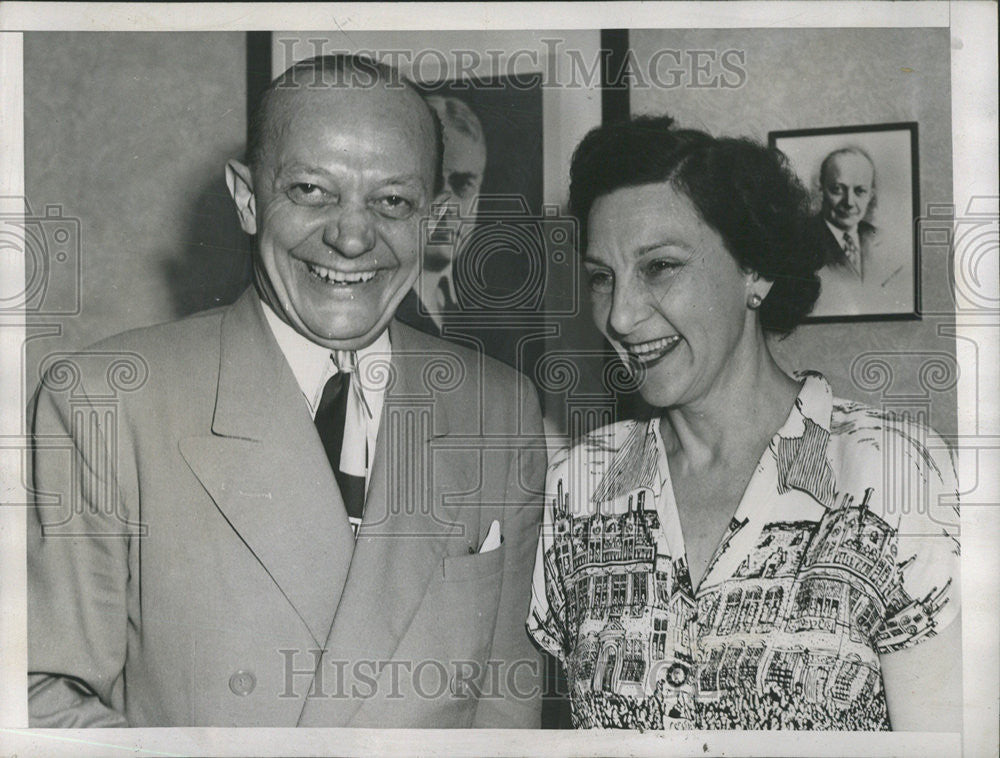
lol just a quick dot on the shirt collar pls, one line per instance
(311, 364)
(814, 402)
(838, 234)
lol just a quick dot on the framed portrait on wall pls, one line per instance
(484, 259)
(865, 190)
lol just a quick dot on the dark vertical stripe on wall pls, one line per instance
(614, 86)
(258, 68)
(616, 106)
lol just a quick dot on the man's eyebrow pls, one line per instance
(403, 179)
(303, 167)
(408, 179)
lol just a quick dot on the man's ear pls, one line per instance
(239, 180)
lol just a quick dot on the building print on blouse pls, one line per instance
(619, 584)
(797, 617)
(842, 550)
(801, 612)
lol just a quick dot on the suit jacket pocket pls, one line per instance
(464, 568)
(449, 639)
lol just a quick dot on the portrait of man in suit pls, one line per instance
(302, 512)
(865, 198)
(866, 267)
(476, 268)
(847, 188)
(463, 169)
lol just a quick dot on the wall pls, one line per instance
(129, 133)
(804, 78)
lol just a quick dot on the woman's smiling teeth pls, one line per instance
(646, 352)
(339, 277)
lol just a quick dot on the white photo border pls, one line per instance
(974, 116)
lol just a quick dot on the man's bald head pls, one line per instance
(840, 154)
(330, 73)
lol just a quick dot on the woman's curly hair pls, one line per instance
(746, 192)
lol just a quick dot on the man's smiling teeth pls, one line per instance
(647, 349)
(340, 277)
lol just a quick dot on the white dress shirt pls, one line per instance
(313, 365)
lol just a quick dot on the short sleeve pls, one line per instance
(546, 622)
(922, 488)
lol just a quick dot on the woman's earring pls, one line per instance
(754, 301)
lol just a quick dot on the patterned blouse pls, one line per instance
(843, 548)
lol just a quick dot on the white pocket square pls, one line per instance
(493, 538)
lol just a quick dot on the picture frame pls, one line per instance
(485, 239)
(864, 209)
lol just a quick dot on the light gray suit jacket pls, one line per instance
(191, 563)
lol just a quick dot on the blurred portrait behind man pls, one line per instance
(485, 267)
(463, 167)
(273, 529)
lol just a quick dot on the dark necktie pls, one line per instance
(331, 415)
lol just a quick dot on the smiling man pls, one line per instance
(865, 271)
(306, 513)
(847, 187)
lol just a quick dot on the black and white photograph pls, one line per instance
(534, 379)
(865, 206)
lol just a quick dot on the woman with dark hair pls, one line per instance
(756, 554)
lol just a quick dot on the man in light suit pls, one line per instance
(198, 485)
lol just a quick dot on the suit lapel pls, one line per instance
(833, 253)
(413, 313)
(266, 470)
(402, 542)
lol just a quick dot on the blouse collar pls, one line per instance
(800, 445)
